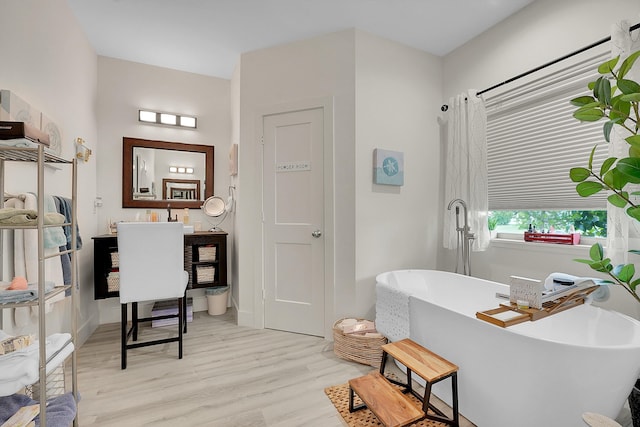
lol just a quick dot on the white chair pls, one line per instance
(151, 257)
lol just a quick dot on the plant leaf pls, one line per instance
(593, 152)
(627, 64)
(634, 213)
(634, 284)
(596, 252)
(630, 167)
(628, 86)
(615, 180)
(589, 114)
(606, 165)
(617, 200)
(606, 130)
(632, 97)
(581, 101)
(602, 90)
(633, 140)
(619, 109)
(609, 66)
(579, 174)
(634, 152)
(626, 273)
(588, 188)
(634, 251)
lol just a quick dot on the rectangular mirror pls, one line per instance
(158, 173)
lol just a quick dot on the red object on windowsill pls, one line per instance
(563, 239)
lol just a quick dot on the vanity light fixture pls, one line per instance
(168, 119)
(180, 169)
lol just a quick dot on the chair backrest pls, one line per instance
(151, 257)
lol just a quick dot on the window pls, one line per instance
(532, 142)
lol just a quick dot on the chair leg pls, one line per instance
(134, 320)
(181, 324)
(184, 307)
(123, 326)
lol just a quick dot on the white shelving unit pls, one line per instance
(42, 158)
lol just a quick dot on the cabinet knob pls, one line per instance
(316, 233)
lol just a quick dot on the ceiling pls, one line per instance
(208, 36)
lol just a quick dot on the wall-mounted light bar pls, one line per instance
(180, 169)
(167, 119)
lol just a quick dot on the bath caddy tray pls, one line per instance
(508, 314)
(563, 239)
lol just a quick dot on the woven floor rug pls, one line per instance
(339, 396)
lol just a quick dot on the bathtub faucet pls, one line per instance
(465, 237)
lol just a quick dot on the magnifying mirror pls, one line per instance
(215, 207)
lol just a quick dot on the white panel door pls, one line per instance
(293, 196)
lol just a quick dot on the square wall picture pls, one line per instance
(388, 167)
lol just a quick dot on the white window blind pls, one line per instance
(533, 141)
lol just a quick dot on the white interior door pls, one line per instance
(293, 196)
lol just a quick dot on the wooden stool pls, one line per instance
(388, 403)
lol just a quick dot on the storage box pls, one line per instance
(16, 130)
(169, 307)
(205, 274)
(563, 239)
(113, 281)
(206, 253)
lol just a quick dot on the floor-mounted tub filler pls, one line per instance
(543, 373)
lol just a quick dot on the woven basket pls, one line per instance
(357, 348)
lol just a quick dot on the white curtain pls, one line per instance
(617, 220)
(466, 168)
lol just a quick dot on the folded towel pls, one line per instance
(53, 236)
(20, 368)
(61, 410)
(12, 216)
(6, 213)
(20, 143)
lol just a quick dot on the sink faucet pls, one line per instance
(169, 219)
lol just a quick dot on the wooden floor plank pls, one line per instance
(229, 376)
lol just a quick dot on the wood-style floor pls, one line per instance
(229, 376)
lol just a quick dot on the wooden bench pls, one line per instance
(389, 404)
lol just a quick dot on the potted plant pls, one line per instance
(616, 99)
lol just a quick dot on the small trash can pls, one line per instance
(217, 300)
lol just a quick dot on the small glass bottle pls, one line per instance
(185, 216)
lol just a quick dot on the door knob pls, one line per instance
(316, 233)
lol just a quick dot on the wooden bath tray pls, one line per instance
(509, 314)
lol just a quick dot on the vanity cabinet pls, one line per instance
(205, 259)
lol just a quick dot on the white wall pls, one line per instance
(385, 95)
(398, 90)
(287, 76)
(123, 88)
(47, 61)
(541, 32)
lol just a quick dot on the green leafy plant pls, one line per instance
(619, 105)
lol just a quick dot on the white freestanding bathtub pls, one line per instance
(543, 373)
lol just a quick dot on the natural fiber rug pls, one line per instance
(339, 396)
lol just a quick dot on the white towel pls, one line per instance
(20, 368)
(53, 266)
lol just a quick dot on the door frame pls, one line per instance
(328, 203)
